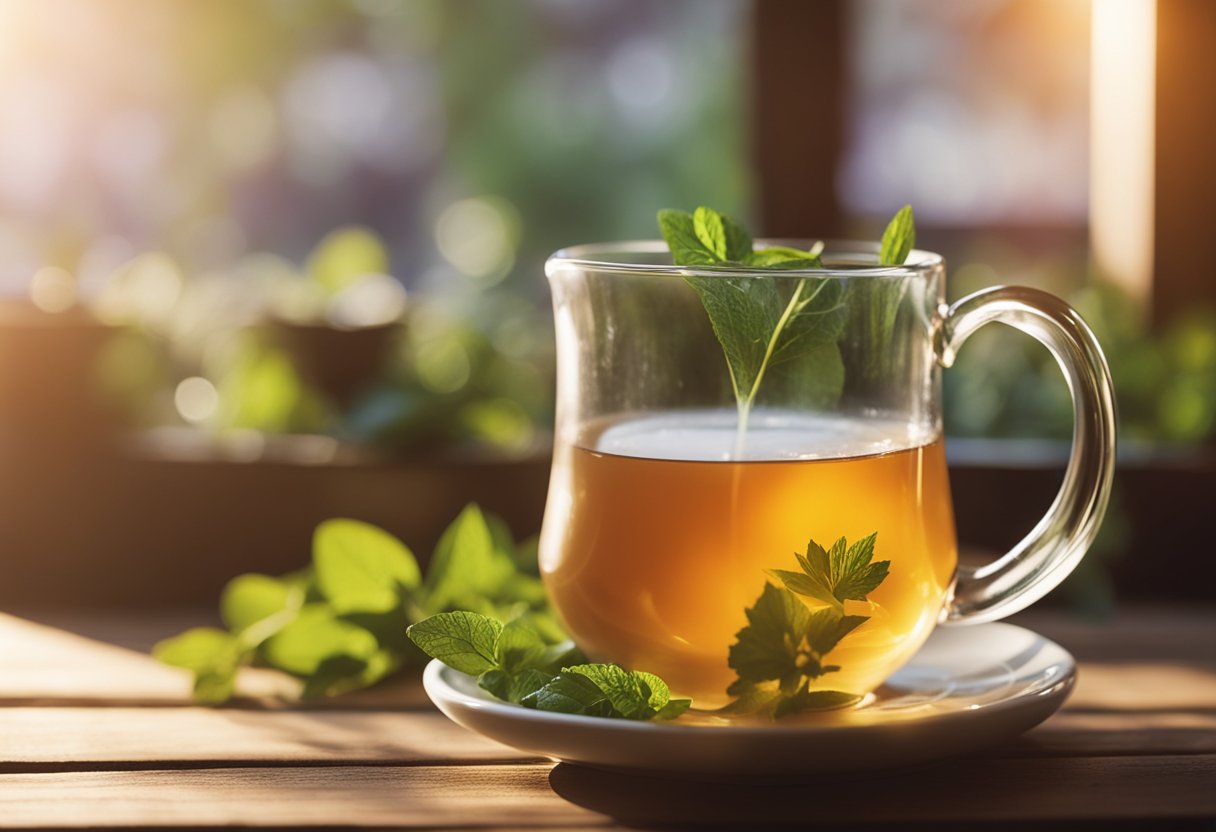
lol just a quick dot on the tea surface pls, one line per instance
(654, 544)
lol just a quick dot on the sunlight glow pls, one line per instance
(1122, 123)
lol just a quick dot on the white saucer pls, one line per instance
(968, 687)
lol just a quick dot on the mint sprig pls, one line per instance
(513, 663)
(764, 326)
(340, 624)
(783, 650)
(771, 327)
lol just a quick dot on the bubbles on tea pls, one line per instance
(772, 435)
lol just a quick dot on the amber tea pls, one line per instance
(656, 545)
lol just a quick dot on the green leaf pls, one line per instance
(467, 566)
(817, 319)
(726, 239)
(813, 700)
(808, 584)
(337, 675)
(759, 323)
(826, 627)
(569, 693)
(853, 574)
(464, 641)
(677, 228)
(627, 692)
(211, 654)
(898, 238)
(199, 648)
(742, 312)
(249, 600)
(518, 647)
(837, 575)
(513, 687)
(214, 687)
(315, 635)
(711, 231)
(362, 568)
(784, 257)
(658, 694)
(765, 648)
(738, 239)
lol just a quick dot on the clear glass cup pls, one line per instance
(663, 516)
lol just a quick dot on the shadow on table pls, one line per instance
(938, 796)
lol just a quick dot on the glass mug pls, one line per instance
(661, 521)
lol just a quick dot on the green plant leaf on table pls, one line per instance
(212, 655)
(317, 634)
(340, 624)
(467, 567)
(362, 568)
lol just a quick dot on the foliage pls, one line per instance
(783, 650)
(340, 624)
(516, 664)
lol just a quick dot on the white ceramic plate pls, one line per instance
(968, 687)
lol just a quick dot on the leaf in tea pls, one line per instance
(783, 649)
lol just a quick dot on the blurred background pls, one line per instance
(266, 262)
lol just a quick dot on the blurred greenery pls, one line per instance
(1007, 385)
(396, 172)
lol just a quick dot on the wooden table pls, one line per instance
(93, 733)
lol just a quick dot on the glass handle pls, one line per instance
(1056, 545)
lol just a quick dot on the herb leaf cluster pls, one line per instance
(770, 327)
(515, 664)
(783, 650)
(340, 624)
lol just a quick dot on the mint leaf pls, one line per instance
(826, 627)
(466, 568)
(784, 257)
(464, 641)
(841, 574)
(707, 224)
(569, 693)
(853, 574)
(627, 692)
(898, 238)
(337, 675)
(607, 690)
(810, 585)
(679, 231)
(362, 568)
(518, 647)
(248, 599)
(316, 634)
(766, 647)
(211, 654)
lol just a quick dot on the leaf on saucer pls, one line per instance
(464, 641)
(569, 693)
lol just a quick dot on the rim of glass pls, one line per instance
(609, 257)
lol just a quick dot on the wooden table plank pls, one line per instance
(1111, 788)
(46, 665)
(74, 738)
